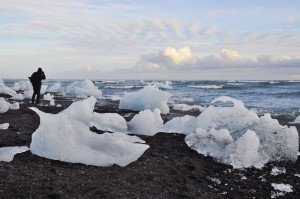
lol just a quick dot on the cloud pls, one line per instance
(171, 59)
(229, 54)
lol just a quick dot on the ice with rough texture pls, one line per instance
(83, 89)
(246, 152)
(183, 125)
(212, 142)
(4, 126)
(69, 139)
(7, 153)
(256, 140)
(54, 88)
(150, 97)
(109, 122)
(146, 123)
(18, 96)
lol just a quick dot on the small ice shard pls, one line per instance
(66, 136)
(109, 122)
(146, 123)
(49, 97)
(4, 126)
(278, 170)
(7, 153)
(150, 97)
(281, 189)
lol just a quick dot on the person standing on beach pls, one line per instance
(36, 81)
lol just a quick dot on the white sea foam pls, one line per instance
(186, 107)
(206, 86)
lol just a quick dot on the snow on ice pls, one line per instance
(7, 153)
(69, 139)
(150, 97)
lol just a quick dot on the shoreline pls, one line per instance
(168, 169)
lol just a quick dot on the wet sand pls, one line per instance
(168, 169)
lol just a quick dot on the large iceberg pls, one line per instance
(150, 97)
(254, 142)
(7, 153)
(109, 122)
(146, 123)
(66, 137)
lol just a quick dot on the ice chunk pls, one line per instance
(49, 97)
(109, 122)
(146, 123)
(15, 106)
(4, 105)
(281, 189)
(43, 89)
(17, 97)
(237, 119)
(167, 85)
(278, 143)
(297, 120)
(84, 89)
(6, 90)
(4, 126)
(212, 142)
(7, 153)
(258, 140)
(186, 107)
(150, 97)
(278, 170)
(184, 125)
(16, 86)
(246, 152)
(54, 88)
(66, 137)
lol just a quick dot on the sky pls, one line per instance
(157, 39)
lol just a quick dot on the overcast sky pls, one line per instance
(171, 39)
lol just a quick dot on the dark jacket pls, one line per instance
(37, 77)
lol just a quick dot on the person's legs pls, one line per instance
(33, 96)
(38, 90)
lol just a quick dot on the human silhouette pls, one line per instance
(36, 81)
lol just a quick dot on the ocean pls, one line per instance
(275, 97)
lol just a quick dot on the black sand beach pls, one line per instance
(168, 169)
